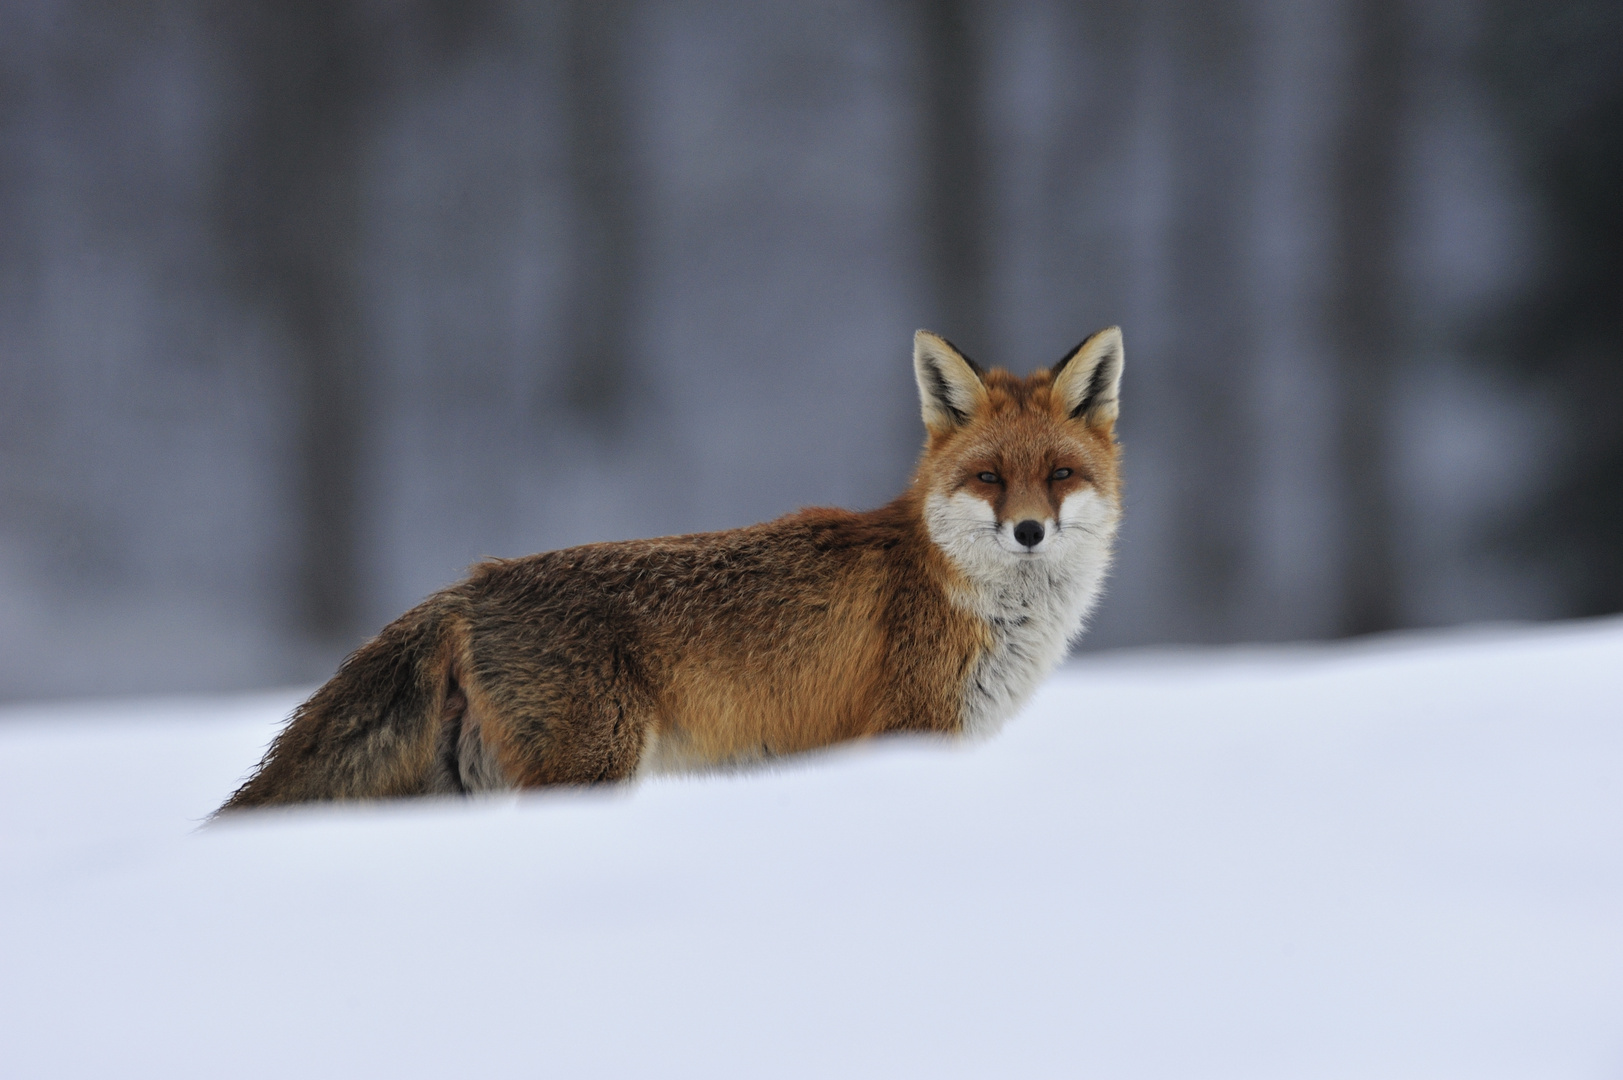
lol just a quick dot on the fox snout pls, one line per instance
(1025, 516)
(1023, 533)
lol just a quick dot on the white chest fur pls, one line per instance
(1034, 605)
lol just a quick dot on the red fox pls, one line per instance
(938, 612)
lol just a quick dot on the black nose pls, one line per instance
(1029, 533)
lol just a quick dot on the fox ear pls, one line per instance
(1088, 381)
(950, 387)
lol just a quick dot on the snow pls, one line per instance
(1394, 859)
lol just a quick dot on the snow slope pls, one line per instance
(1401, 859)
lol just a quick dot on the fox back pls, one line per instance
(938, 612)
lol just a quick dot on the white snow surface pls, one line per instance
(1394, 859)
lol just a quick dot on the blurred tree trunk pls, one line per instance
(289, 199)
(290, 202)
(599, 328)
(1212, 98)
(1368, 323)
(955, 181)
(1557, 77)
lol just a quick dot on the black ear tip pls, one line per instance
(1115, 351)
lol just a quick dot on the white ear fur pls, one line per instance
(1088, 381)
(950, 387)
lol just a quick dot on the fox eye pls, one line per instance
(987, 477)
(1060, 474)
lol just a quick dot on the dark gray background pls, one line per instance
(306, 306)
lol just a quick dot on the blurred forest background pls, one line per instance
(307, 304)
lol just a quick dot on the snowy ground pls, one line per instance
(1402, 859)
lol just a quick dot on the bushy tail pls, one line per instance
(376, 729)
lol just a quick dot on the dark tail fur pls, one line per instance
(385, 725)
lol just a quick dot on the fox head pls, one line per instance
(1021, 472)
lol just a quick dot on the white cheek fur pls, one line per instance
(965, 527)
(1085, 516)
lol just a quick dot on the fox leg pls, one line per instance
(463, 760)
(544, 740)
